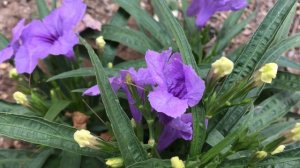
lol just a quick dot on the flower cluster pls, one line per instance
(52, 35)
(174, 87)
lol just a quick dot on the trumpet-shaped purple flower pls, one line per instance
(176, 85)
(204, 9)
(139, 79)
(13, 46)
(52, 35)
(175, 128)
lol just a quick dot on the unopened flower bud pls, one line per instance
(115, 162)
(279, 149)
(100, 42)
(20, 98)
(85, 139)
(133, 123)
(294, 134)
(176, 162)
(266, 73)
(222, 67)
(151, 142)
(13, 73)
(261, 154)
(110, 65)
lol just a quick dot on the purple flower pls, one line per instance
(175, 128)
(139, 79)
(52, 35)
(176, 85)
(204, 9)
(13, 46)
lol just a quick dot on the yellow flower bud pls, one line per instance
(85, 139)
(266, 73)
(20, 98)
(176, 162)
(279, 149)
(13, 73)
(222, 67)
(100, 42)
(110, 65)
(151, 142)
(294, 134)
(261, 154)
(115, 162)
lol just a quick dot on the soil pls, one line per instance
(98, 13)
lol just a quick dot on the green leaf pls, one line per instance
(70, 160)
(129, 37)
(14, 108)
(253, 52)
(13, 158)
(39, 160)
(228, 33)
(152, 163)
(42, 7)
(130, 147)
(3, 41)
(285, 62)
(146, 22)
(55, 109)
(286, 81)
(39, 131)
(85, 72)
(275, 52)
(272, 109)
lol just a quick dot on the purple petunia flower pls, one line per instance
(52, 35)
(175, 128)
(139, 79)
(204, 9)
(177, 86)
(14, 45)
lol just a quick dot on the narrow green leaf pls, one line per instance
(131, 149)
(129, 37)
(277, 50)
(42, 7)
(285, 62)
(70, 160)
(286, 81)
(3, 41)
(146, 22)
(6, 107)
(13, 158)
(272, 109)
(262, 39)
(55, 109)
(152, 163)
(38, 131)
(39, 160)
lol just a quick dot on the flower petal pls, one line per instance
(6, 53)
(164, 102)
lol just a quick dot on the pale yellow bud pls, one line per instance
(115, 162)
(261, 154)
(279, 149)
(85, 139)
(151, 142)
(222, 67)
(295, 133)
(176, 162)
(100, 42)
(110, 65)
(20, 98)
(133, 123)
(266, 73)
(13, 73)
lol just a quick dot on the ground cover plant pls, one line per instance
(183, 105)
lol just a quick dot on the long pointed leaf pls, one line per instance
(131, 149)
